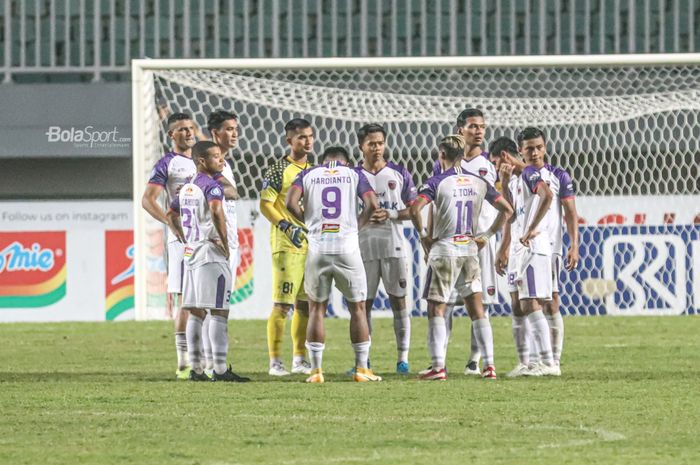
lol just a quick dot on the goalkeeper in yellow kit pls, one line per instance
(288, 241)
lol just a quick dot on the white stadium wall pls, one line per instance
(72, 261)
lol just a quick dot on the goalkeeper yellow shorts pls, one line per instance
(288, 277)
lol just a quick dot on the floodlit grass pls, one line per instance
(84, 393)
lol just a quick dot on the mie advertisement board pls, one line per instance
(32, 268)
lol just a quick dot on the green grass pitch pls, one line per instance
(104, 393)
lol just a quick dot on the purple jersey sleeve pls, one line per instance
(532, 178)
(213, 191)
(429, 189)
(491, 193)
(566, 185)
(159, 175)
(408, 193)
(363, 185)
(175, 204)
(299, 180)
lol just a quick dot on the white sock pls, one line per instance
(361, 353)
(181, 349)
(484, 336)
(540, 329)
(206, 344)
(437, 328)
(520, 339)
(556, 329)
(532, 346)
(316, 353)
(449, 312)
(194, 343)
(402, 331)
(218, 333)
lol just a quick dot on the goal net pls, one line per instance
(625, 127)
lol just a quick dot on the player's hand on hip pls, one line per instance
(481, 241)
(571, 259)
(380, 215)
(525, 240)
(294, 233)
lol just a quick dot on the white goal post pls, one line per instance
(627, 127)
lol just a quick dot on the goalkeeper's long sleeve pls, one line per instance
(269, 211)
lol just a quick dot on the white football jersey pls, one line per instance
(197, 222)
(230, 208)
(458, 197)
(395, 191)
(559, 181)
(483, 167)
(172, 172)
(330, 197)
(541, 243)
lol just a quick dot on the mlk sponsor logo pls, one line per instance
(32, 268)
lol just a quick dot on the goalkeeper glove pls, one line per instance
(293, 232)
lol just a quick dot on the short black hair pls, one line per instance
(216, 119)
(175, 117)
(530, 133)
(334, 151)
(368, 129)
(503, 144)
(200, 149)
(466, 114)
(296, 124)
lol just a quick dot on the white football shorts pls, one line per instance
(234, 260)
(514, 266)
(207, 286)
(535, 277)
(346, 270)
(393, 271)
(487, 262)
(448, 273)
(176, 266)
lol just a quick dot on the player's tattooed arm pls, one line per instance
(149, 202)
(571, 220)
(371, 205)
(173, 222)
(230, 192)
(426, 238)
(545, 195)
(219, 218)
(293, 202)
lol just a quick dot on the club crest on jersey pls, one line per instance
(189, 190)
(188, 252)
(491, 290)
(392, 185)
(330, 228)
(463, 181)
(483, 172)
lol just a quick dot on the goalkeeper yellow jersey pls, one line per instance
(276, 182)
